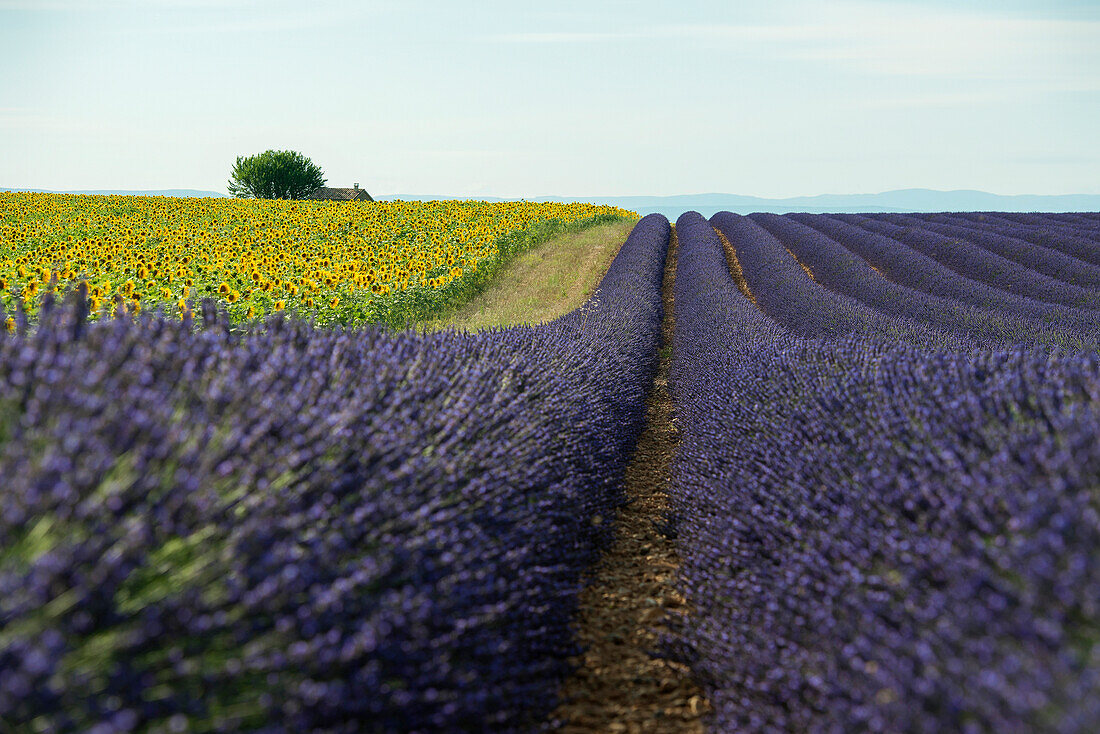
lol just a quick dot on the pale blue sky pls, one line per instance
(573, 98)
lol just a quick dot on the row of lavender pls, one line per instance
(953, 270)
(841, 259)
(1000, 256)
(310, 530)
(887, 512)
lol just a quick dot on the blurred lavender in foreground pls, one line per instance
(310, 530)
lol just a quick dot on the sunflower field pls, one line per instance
(334, 263)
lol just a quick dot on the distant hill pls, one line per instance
(902, 200)
(119, 192)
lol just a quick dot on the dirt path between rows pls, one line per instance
(618, 686)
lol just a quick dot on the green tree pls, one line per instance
(275, 174)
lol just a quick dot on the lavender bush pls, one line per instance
(839, 270)
(973, 262)
(1077, 240)
(1048, 261)
(787, 294)
(913, 269)
(1084, 224)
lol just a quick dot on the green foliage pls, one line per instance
(275, 174)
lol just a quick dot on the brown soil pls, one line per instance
(735, 265)
(805, 269)
(884, 275)
(619, 686)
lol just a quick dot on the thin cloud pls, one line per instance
(97, 5)
(891, 40)
(259, 24)
(718, 31)
(1002, 94)
(967, 46)
(28, 122)
(249, 19)
(564, 37)
(1058, 159)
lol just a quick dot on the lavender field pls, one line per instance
(887, 493)
(885, 497)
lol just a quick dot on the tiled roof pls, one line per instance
(330, 194)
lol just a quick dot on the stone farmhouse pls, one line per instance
(330, 194)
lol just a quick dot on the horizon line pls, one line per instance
(32, 189)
